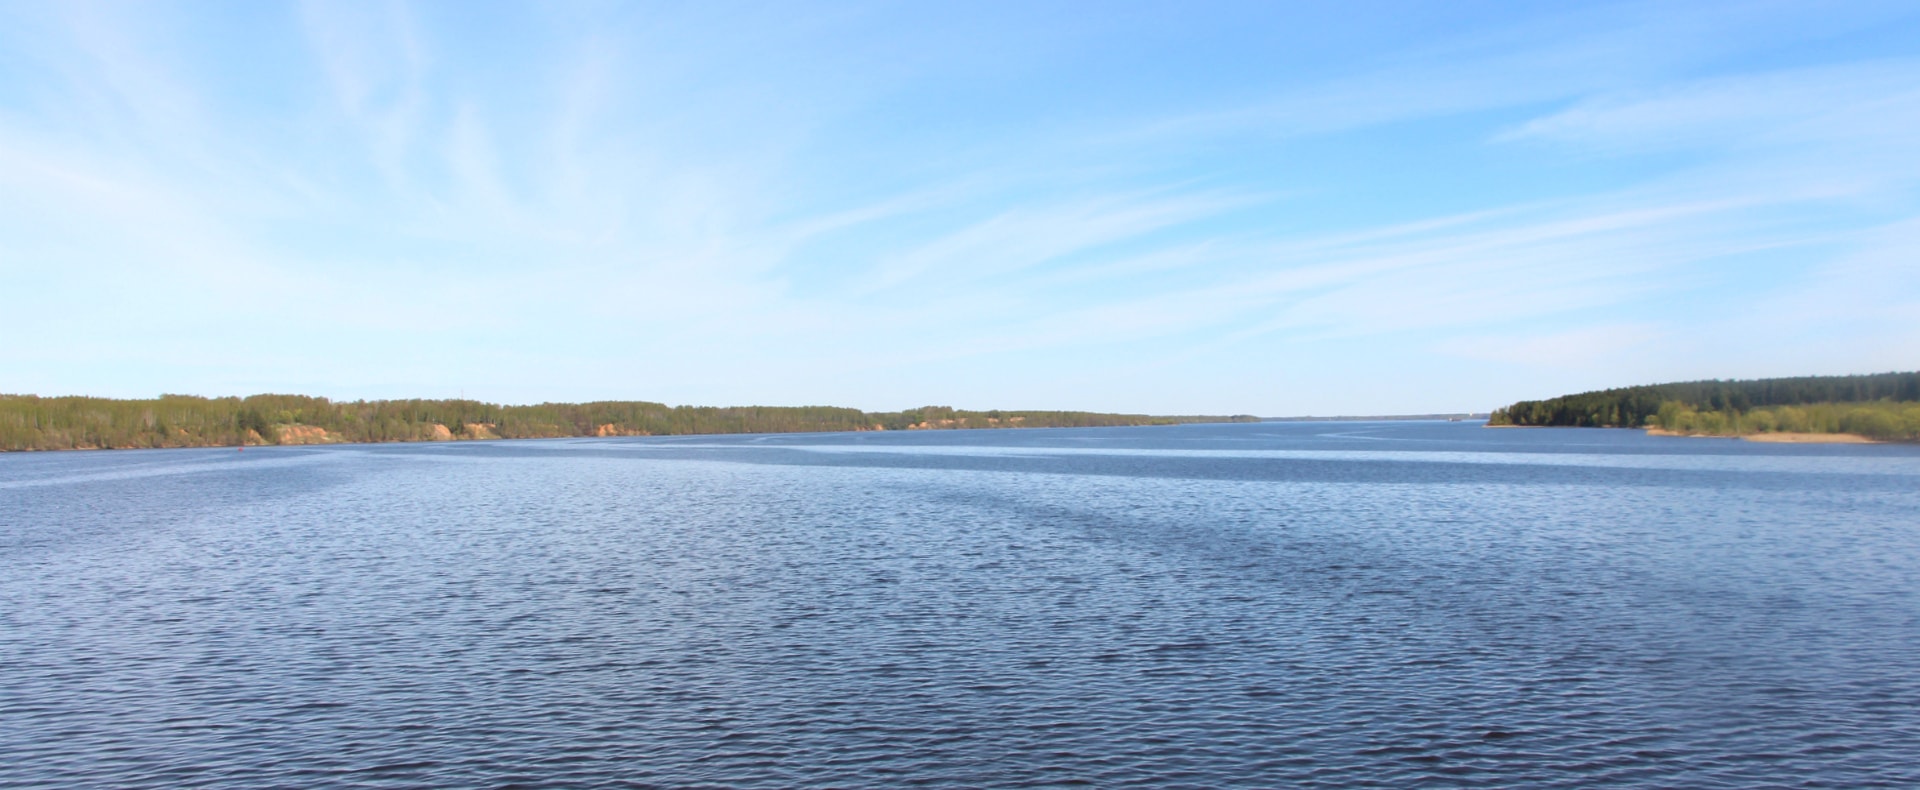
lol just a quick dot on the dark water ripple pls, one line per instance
(1301, 605)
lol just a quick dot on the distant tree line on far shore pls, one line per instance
(29, 422)
(1878, 406)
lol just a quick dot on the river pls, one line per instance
(1277, 604)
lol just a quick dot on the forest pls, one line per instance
(1882, 406)
(29, 422)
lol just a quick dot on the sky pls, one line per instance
(1261, 208)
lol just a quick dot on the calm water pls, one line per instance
(1360, 604)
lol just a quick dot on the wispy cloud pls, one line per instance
(1732, 114)
(1022, 239)
(375, 64)
(1581, 348)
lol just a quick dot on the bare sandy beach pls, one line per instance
(1776, 438)
(1811, 438)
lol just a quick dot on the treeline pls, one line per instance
(1876, 398)
(30, 422)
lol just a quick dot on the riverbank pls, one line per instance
(1880, 407)
(29, 422)
(1811, 438)
(1774, 437)
(1784, 437)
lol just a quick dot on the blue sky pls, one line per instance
(1258, 208)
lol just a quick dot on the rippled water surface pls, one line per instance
(1356, 604)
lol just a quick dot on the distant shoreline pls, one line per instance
(191, 421)
(29, 422)
(328, 442)
(1453, 417)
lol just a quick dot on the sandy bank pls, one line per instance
(305, 434)
(1776, 438)
(1810, 438)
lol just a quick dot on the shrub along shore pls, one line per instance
(29, 422)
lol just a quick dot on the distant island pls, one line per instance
(29, 422)
(1877, 407)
